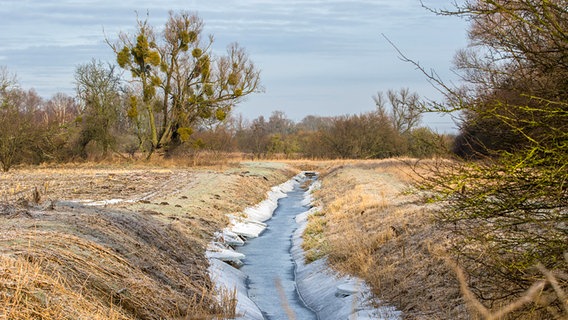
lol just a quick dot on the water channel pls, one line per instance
(269, 264)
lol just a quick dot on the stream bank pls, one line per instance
(265, 285)
(268, 262)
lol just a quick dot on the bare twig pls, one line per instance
(530, 296)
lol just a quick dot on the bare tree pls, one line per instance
(405, 108)
(61, 109)
(98, 88)
(18, 111)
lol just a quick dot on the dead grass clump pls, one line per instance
(11, 211)
(146, 291)
(28, 292)
(314, 243)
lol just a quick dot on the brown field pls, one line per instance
(142, 258)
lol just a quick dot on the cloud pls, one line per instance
(311, 25)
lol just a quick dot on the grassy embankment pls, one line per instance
(374, 224)
(145, 259)
(139, 260)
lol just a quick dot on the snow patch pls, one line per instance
(247, 227)
(99, 203)
(328, 294)
(250, 225)
(227, 279)
(218, 251)
(231, 238)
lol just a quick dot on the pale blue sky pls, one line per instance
(321, 57)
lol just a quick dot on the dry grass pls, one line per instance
(377, 229)
(27, 292)
(374, 225)
(314, 242)
(141, 260)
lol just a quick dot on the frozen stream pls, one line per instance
(269, 264)
(273, 281)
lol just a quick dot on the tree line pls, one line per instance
(168, 92)
(103, 120)
(391, 130)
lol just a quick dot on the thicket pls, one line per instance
(507, 201)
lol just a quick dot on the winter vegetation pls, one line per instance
(168, 92)
(472, 226)
(106, 120)
(141, 258)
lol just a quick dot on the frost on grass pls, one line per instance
(331, 296)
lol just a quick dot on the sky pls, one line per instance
(317, 57)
